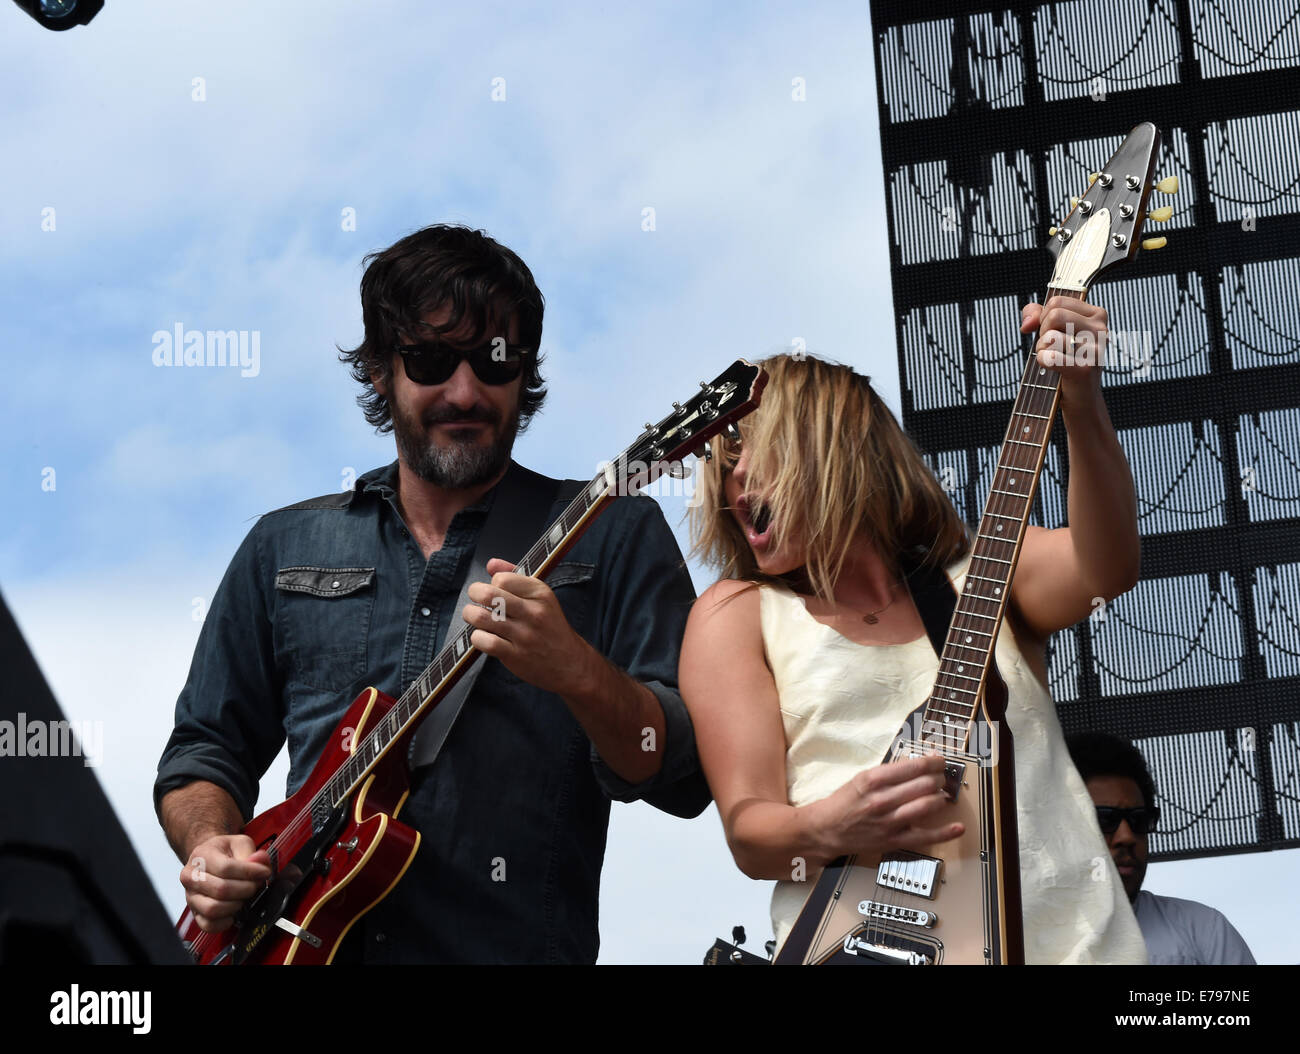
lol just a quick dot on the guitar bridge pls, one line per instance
(874, 909)
(884, 954)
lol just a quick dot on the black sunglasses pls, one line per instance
(432, 362)
(1141, 819)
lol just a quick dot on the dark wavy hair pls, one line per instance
(1101, 754)
(449, 266)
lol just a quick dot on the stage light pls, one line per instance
(61, 14)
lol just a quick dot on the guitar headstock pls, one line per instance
(662, 447)
(1105, 226)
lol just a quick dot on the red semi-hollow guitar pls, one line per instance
(336, 847)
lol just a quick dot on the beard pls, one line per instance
(464, 462)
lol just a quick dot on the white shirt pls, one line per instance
(841, 705)
(1185, 933)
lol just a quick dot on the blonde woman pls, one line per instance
(799, 667)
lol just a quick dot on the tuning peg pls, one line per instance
(1168, 185)
(1074, 203)
(1092, 177)
(1154, 243)
(1161, 214)
(1051, 232)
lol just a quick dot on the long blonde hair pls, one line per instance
(831, 464)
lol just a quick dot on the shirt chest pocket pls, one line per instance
(572, 585)
(323, 619)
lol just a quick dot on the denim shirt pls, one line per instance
(332, 595)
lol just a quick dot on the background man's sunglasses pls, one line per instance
(1141, 820)
(434, 363)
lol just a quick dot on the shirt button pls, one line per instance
(335, 584)
(425, 612)
(380, 938)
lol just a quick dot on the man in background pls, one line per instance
(1177, 932)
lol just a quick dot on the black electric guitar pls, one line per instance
(959, 902)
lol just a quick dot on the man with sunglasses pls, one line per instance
(576, 705)
(1177, 932)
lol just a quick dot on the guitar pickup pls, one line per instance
(918, 875)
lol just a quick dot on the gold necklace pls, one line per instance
(870, 618)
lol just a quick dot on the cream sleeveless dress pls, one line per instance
(842, 704)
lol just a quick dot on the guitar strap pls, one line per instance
(934, 597)
(520, 512)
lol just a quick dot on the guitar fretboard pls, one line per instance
(949, 713)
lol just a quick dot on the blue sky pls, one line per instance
(226, 212)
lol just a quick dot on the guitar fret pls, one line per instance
(963, 676)
(979, 556)
(979, 631)
(1002, 516)
(1010, 493)
(1026, 413)
(948, 713)
(1045, 387)
(976, 614)
(1024, 443)
(985, 578)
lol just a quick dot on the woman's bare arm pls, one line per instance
(734, 706)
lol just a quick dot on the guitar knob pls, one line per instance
(1161, 214)
(1154, 243)
(1168, 185)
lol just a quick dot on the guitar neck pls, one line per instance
(968, 649)
(457, 652)
(658, 449)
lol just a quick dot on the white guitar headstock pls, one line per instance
(1104, 227)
